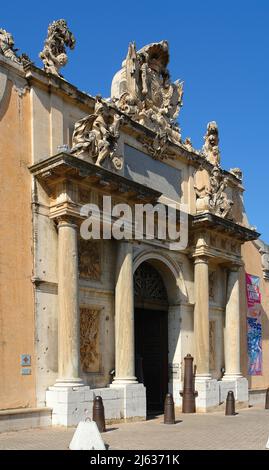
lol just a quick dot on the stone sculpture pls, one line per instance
(237, 172)
(143, 90)
(188, 144)
(95, 138)
(211, 146)
(54, 54)
(210, 193)
(7, 46)
(218, 200)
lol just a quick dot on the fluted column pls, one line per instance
(232, 326)
(68, 306)
(201, 317)
(124, 316)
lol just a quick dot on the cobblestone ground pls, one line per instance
(247, 430)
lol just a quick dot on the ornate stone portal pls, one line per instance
(142, 113)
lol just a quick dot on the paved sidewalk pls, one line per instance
(247, 430)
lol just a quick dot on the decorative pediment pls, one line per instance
(143, 90)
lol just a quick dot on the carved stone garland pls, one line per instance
(89, 340)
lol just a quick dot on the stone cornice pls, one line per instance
(66, 166)
(208, 220)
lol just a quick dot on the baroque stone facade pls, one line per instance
(84, 303)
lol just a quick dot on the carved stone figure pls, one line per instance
(144, 91)
(210, 193)
(237, 172)
(188, 144)
(94, 138)
(211, 146)
(54, 54)
(218, 200)
(7, 46)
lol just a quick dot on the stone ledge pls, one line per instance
(19, 411)
(25, 418)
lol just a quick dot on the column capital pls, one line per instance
(67, 221)
(234, 268)
(201, 259)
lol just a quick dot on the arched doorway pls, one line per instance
(151, 334)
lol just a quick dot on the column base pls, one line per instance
(237, 384)
(69, 383)
(208, 393)
(124, 380)
(70, 405)
(134, 400)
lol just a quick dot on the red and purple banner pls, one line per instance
(254, 332)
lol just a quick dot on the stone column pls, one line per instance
(232, 326)
(68, 306)
(124, 317)
(201, 317)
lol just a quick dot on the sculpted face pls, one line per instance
(62, 59)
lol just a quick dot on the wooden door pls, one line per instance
(151, 347)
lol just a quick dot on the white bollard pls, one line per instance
(87, 437)
(267, 445)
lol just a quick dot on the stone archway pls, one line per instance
(176, 295)
(151, 334)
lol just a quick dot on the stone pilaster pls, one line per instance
(68, 305)
(207, 388)
(232, 326)
(201, 317)
(233, 379)
(124, 317)
(134, 394)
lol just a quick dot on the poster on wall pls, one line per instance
(254, 326)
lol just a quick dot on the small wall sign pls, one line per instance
(25, 359)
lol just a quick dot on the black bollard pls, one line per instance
(169, 409)
(98, 413)
(188, 394)
(230, 404)
(267, 399)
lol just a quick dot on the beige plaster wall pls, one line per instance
(252, 260)
(16, 290)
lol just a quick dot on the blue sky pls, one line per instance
(219, 48)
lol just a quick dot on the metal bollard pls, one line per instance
(230, 404)
(169, 409)
(98, 413)
(267, 399)
(188, 394)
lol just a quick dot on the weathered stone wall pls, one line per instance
(16, 245)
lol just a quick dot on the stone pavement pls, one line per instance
(247, 430)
